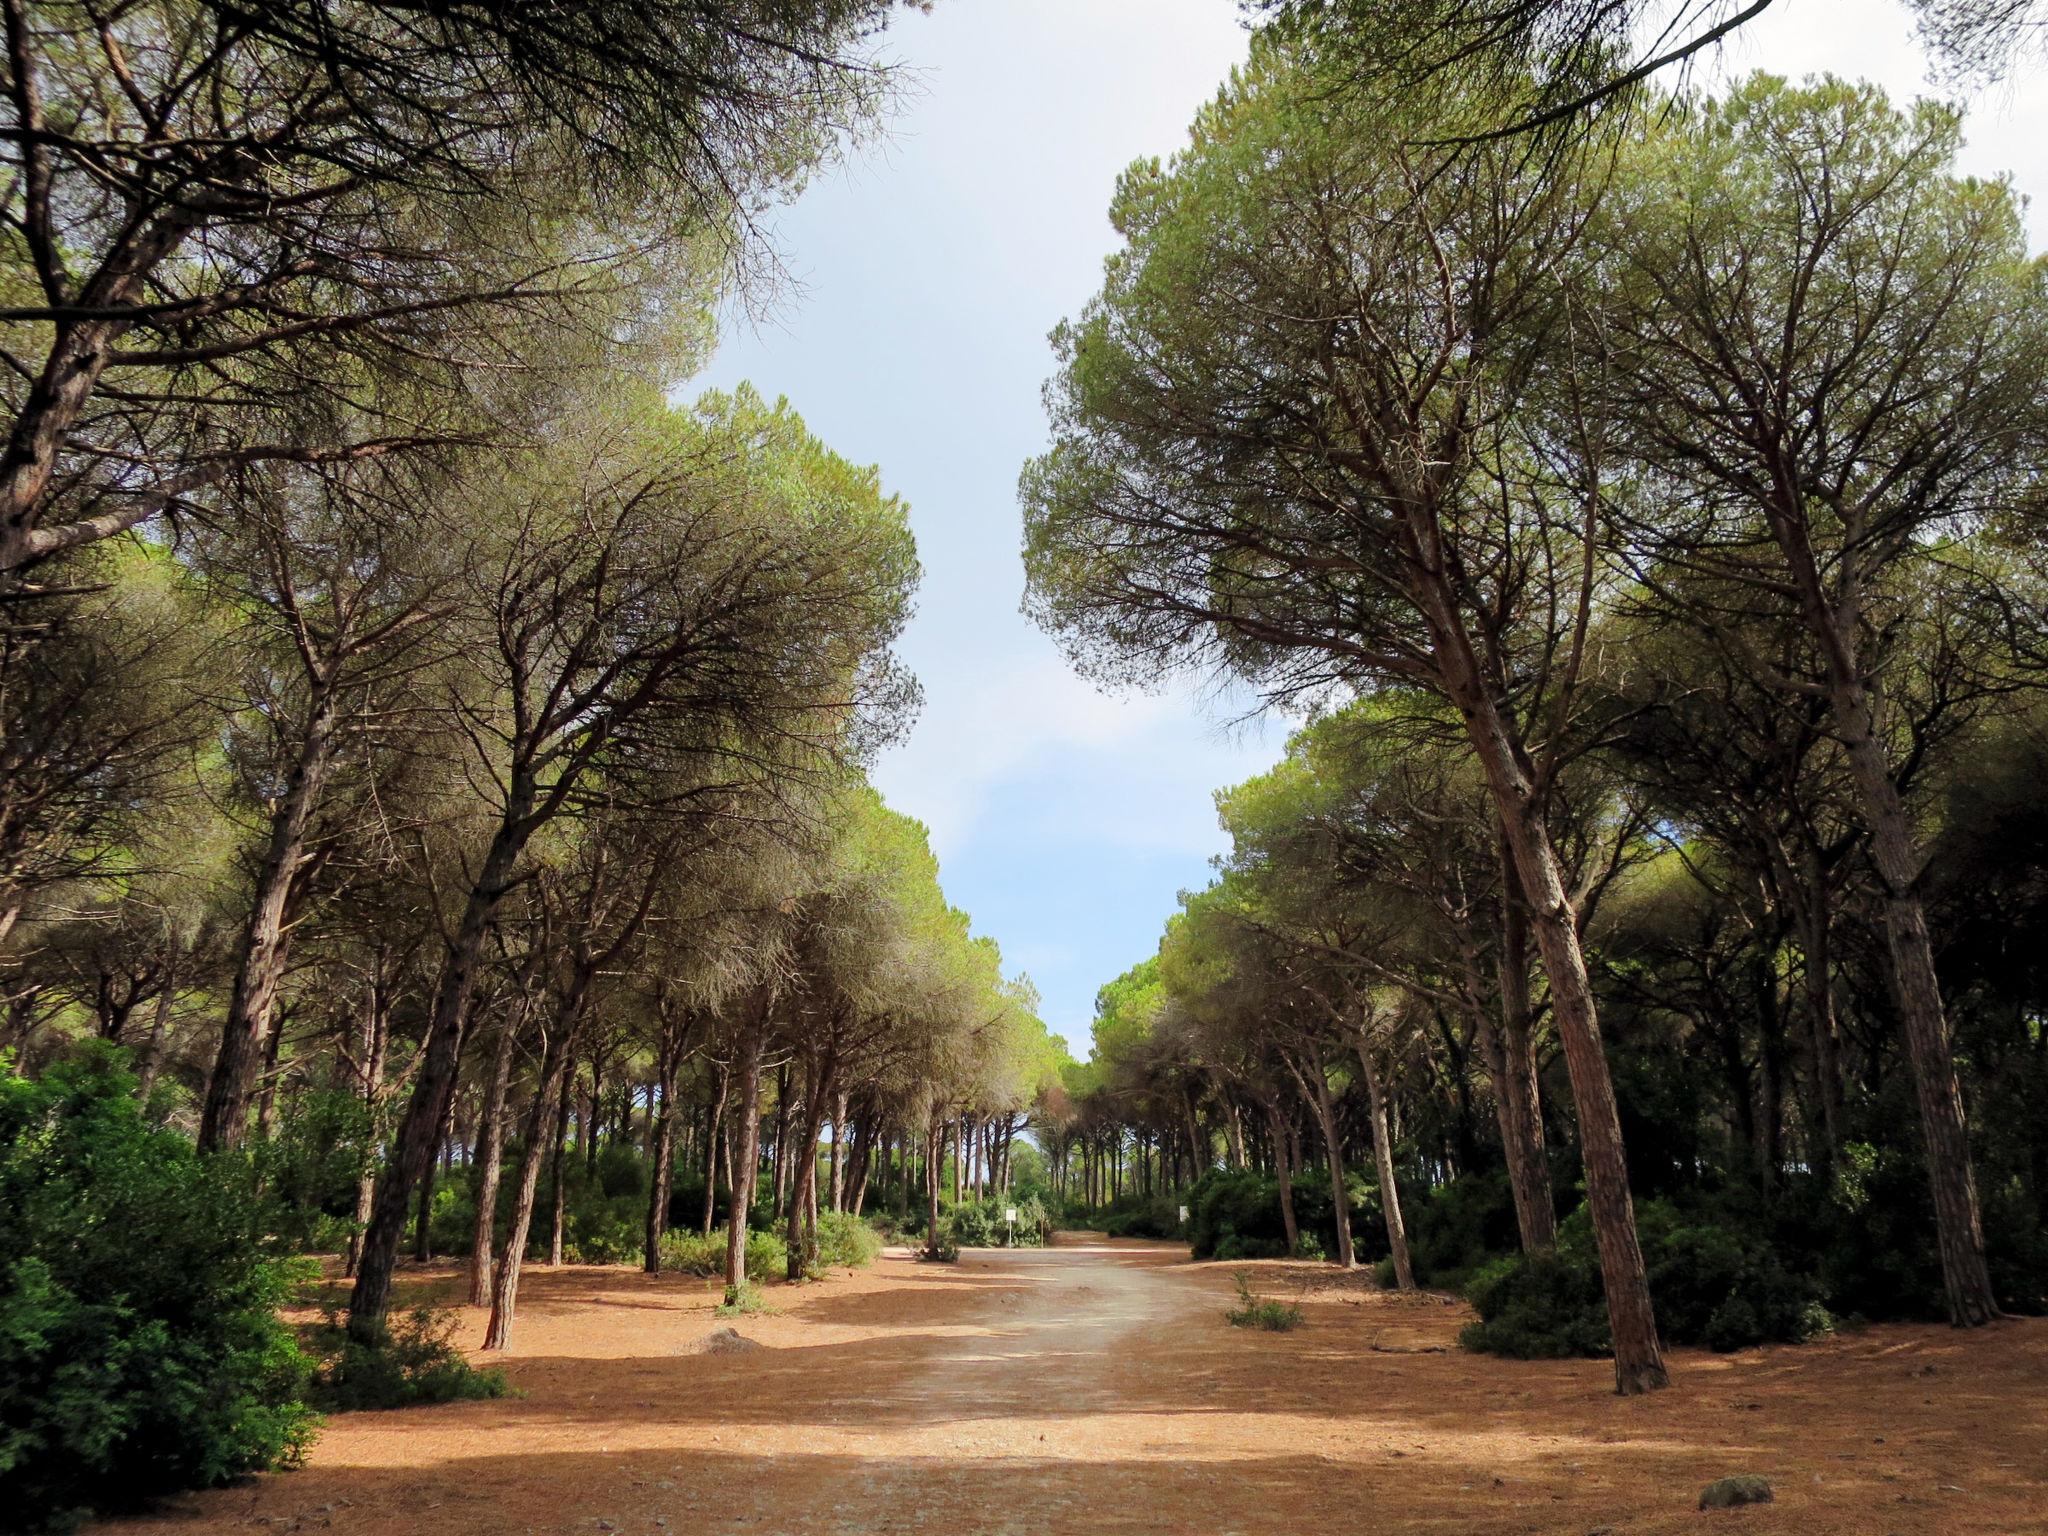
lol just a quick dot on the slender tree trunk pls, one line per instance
(1383, 1155)
(1316, 1087)
(934, 1166)
(664, 1149)
(746, 1155)
(266, 1100)
(1284, 1173)
(260, 965)
(838, 1139)
(159, 1026)
(376, 1048)
(439, 1066)
(543, 1130)
(714, 1133)
(1895, 849)
(558, 1166)
(1518, 1093)
(1817, 988)
(490, 1158)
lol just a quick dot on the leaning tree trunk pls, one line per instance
(490, 1159)
(260, 966)
(1518, 1093)
(1517, 800)
(1383, 1154)
(1318, 1093)
(440, 1064)
(743, 1157)
(1958, 1225)
(543, 1129)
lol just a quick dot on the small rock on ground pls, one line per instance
(1734, 1492)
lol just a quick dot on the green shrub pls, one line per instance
(417, 1364)
(1537, 1307)
(687, 1253)
(1262, 1312)
(140, 1347)
(1142, 1218)
(846, 1241)
(970, 1226)
(1711, 1284)
(740, 1299)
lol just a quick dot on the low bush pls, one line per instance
(743, 1298)
(1262, 1312)
(846, 1241)
(688, 1253)
(1712, 1284)
(140, 1348)
(1235, 1214)
(1142, 1218)
(417, 1364)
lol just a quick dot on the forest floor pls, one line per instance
(1095, 1386)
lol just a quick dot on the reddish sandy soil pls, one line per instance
(1096, 1387)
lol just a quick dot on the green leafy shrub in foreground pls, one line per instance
(140, 1347)
(418, 1363)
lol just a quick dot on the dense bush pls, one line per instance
(981, 1223)
(140, 1348)
(1135, 1216)
(417, 1363)
(846, 1241)
(1236, 1215)
(1717, 1285)
(687, 1253)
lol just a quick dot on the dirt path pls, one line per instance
(1094, 1387)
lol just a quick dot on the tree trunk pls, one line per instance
(670, 1068)
(543, 1129)
(1518, 1094)
(260, 965)
(1383, 1156)
(558, 1169)
(714, 1133)
(440, 1064)
(490, 1158)
(1284, 1173)
(1959, 1228)
(744, 1156)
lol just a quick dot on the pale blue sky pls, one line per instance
(926, 275)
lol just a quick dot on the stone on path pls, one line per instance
(1734, 1492)
(727, 1341)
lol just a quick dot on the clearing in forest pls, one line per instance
(1094, 1386)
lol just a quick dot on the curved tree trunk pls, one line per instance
(543, 1129)
(1518, 1092)
(1284, 1172)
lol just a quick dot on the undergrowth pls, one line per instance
(1263, 1312)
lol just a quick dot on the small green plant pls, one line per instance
(417, 1364)
(743, 1298)
(1254, 1311)
(687, 1253)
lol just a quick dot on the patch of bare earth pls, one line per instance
(1095, 1387)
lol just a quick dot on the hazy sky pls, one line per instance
(928, 273)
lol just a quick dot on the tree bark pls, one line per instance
(439, 1066)
(558, 1166)
(490, 1158)
(1518, 1093)
(543, 1129)
(260, 965)
(715, 1132)
(1383, 1154)
(746, 1154)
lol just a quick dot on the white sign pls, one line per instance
(1183, 1215)
(1010, 1215)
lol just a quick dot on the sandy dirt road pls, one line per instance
(1094, 1387)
